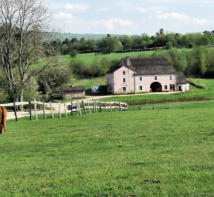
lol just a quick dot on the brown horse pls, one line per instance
(3, 117)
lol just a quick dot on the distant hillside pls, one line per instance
(63, 36)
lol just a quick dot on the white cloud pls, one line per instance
(141, 9)
(63, 15)
(172, 15)
(77, 6)
(112, 24)
(200, 21)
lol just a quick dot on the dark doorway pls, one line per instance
(156, 87)
(172, 87)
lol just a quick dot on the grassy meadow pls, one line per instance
(161, 150)
(89, 58)
(193, 94)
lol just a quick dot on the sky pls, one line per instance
(131, 17)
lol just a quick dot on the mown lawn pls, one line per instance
(157, 152)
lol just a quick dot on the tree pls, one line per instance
(126, 42)
(21, 35)
(109, 44)
(54, 77)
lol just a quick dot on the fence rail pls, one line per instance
(34, 108)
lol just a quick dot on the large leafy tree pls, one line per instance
(21, 35)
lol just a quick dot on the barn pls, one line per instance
(135, 75)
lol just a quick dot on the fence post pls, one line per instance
(105, 106)
(120, 108)
(35, 109)
(65, 108)
(30, 110)
(93, 106)
(44, 113)
(83, 104)
(89, 107)
(96, 106)
(52, 115)
(60, 115)
(110, 106)
(71, 108)
(80, 109)
(100, 104)
(77, 108)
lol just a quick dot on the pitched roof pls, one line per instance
(146, 66)
(152, 66)
(73, 89)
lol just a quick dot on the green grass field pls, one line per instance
(88, 58)
(88, 82)
(193, 94)
(163, 150)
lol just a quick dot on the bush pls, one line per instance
(96, 69)
(53, 77)
(73, 53)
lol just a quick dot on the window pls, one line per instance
(166, 87)
(140, 87)
(124, 89)
(124, 79)
(124, 72)
(141, 78)
(156, 78)
(170, 77)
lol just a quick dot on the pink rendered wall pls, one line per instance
(147, 80)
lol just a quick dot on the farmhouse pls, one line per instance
(135, 75)
(73, 92)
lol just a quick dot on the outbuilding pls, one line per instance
(73, 92)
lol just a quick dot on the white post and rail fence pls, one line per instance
(33, 109)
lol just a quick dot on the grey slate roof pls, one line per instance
(73, 89)
(152, 66)
(146, 66)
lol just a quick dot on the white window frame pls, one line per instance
(124, 80)
(141, 78)
(156, 78)
(141, 88)
(124, 89)
(170, 77)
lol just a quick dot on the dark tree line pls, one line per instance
(126, 43)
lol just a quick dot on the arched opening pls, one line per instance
(156, 87)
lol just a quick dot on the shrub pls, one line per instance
(54, 77)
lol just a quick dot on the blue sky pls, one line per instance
(131, 16)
